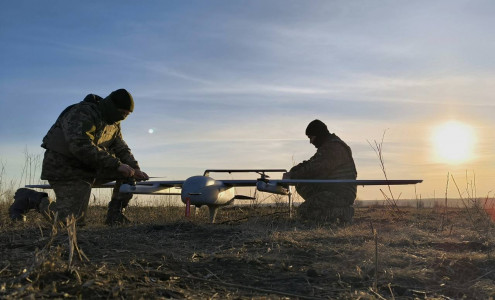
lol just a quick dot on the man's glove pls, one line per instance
(140, 175)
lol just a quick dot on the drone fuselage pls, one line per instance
(204, 190)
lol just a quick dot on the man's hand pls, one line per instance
(286, 175)
(126, 170)
(140, 175)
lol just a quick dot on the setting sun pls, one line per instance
(454, 142)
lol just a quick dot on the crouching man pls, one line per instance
(84, 148)
(333, 160)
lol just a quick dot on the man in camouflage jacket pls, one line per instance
(85, 148)
(333, 160)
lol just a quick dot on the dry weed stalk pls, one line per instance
(48, 258)
(444, 215)
(6, 192)
(2, 172)
(375, 240)
(29, 172)
(32, 163)
(473, 207)
(5, 268)
(480, 219)
(73, 246)
(41, 257)
(390, 200)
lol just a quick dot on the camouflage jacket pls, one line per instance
(80, 145)
(332, 160)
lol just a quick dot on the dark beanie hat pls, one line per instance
(122, 99)
(317, 128)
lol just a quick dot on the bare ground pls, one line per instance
(252, 253)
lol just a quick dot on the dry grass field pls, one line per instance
(252, 253)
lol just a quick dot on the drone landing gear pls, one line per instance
(213, 213)
(212, 209)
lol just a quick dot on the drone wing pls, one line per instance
(170, 187)
(287, 182)
(345, 181)
(47, 186)
(278, 186)
(144, 187)
(38, 186)
(282, 186)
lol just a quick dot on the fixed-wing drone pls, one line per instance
(204, 190)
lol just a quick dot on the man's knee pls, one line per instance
(72, 199)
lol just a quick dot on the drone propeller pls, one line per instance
(263, 175)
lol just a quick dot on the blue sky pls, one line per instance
(233, 84)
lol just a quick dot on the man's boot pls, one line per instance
(24, 200)
(116, 208)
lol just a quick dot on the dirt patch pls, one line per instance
(253, 253)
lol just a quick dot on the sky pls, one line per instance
(233, 84)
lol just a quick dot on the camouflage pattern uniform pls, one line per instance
(327, 202)
(83, 150)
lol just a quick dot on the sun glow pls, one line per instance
(454, 142)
